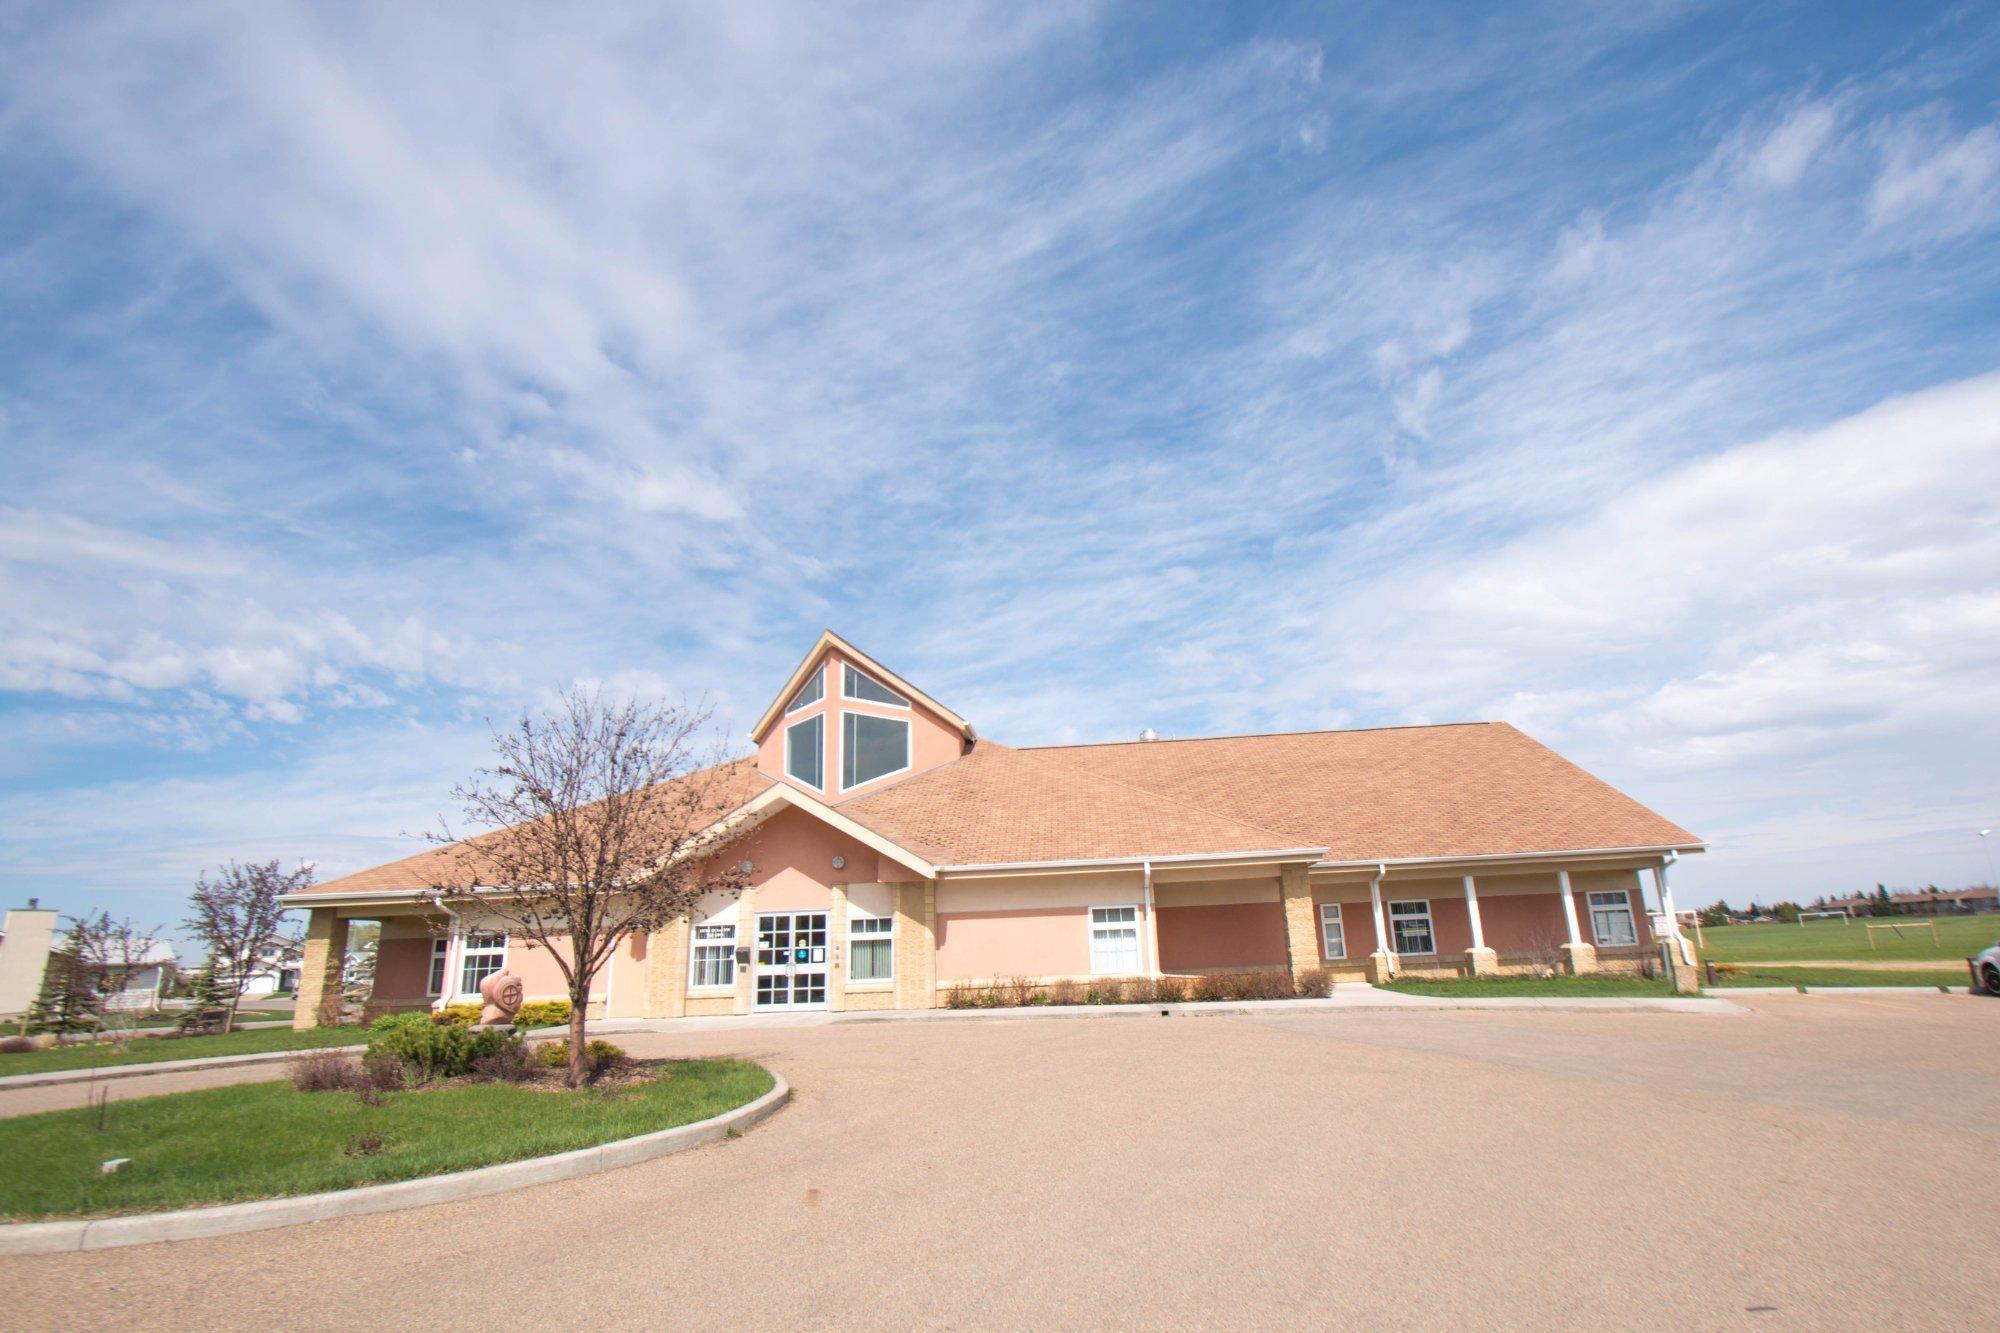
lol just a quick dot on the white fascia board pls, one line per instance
(1506, 858)
(1280, 856)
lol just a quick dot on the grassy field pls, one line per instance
(1500, 988)
(149, 1050)
(1771, 974)
(264, 1140)
(1959, 937)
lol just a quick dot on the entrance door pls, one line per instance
(791, 960)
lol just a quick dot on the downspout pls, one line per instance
(1667, 907)
(451, 947)
(1152, 922)
(1381, 922)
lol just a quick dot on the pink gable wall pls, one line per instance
(933, 740)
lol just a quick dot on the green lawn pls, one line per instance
(1959, 937)
(147, 1050)
(1765, 974)
(1497, 988)
(263, 1140)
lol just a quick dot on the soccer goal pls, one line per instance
(1840, 912)
(1899, 927)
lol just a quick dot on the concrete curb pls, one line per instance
(143, 1067)
(1843, 990)
(105, 1233)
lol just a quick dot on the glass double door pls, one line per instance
(791, 960)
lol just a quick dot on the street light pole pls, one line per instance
(1986, 845)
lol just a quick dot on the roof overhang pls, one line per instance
(1178, 860)
(1490, 860)
(362, 898)
(829, 640)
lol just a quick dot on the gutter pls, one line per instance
(1484, 858)
(1137, 862)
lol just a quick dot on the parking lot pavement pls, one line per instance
(1813, 1165)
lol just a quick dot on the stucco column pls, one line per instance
(836, 948)
(916, 945)
(746, 934)
(1577, 956)
(1381, 963)
(321, 962)
(1480, 961)
(1295, 892)
(667, 969)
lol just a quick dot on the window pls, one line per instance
(1410, 924)
(1333, 936)
(856, 685)
(713, 962)
(805, 751)
(1611, 918)
(809, 693)
(871, 949)
(1114, 939)
(439, 948)
(872, 747)
(485, 953)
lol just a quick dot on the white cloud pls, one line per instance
(1949, 183)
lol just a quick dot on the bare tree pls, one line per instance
(108, 953)
(599, 824)
(237, 915)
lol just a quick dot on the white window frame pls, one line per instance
(440, 966)
(817, 685)
(1329, 915)
(847, 747)
(849, 673)
(1430, 927)
(1119, 926)
(468, 950)
(878, 930)
(1624, 904)
(819, 752)
(724, 944)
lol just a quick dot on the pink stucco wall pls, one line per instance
(793, 854)
(1036, 942)
(1227, 935)
(933, 741)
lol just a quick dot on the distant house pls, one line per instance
(142, 985)
(1926, 902)
(29, 939)
(276, 969)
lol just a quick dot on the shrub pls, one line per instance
(383, 1073)
(1141, 990)
(1315, 983)
(960, 995)
(1208, 987)
(435, 1050)
(1170, 990)
(506, 1063)
(456, 1015)
(19, 1045)
(327, 1071)
(992, 997)
(542, 1014)
(601, 1055)
(1104, 992)
(1264, 986)
(552, 1054)
(1019, 990)
(395, 1022)
(1064, 992)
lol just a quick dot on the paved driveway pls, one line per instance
(1804, 1166)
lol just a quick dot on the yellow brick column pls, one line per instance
(916, 945)
(667, 969)
(320, 964)
(1295, 892)
(836, 949)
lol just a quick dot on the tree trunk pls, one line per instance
(577, 1068)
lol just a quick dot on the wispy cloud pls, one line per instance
(1622, 370)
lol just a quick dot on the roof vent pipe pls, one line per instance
(1149, 735)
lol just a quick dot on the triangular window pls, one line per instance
(809, 693)
(856, 685)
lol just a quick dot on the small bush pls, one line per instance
(1170, 990)
(542, 1014)
(959, 995)
(1064, 992)
(434, 1050)
(1264, 986)
(1315, 983)
(1020, 990)
(1209, 987)
(19, 1045)
(1104, 992)
(506, 1063)
(551, 1054)
(383, 1074)
(1141, 990)
(992, 997)
(455, 1015)
(327, 1071)
(601, 1055)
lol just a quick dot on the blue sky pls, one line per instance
(1628, 372)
